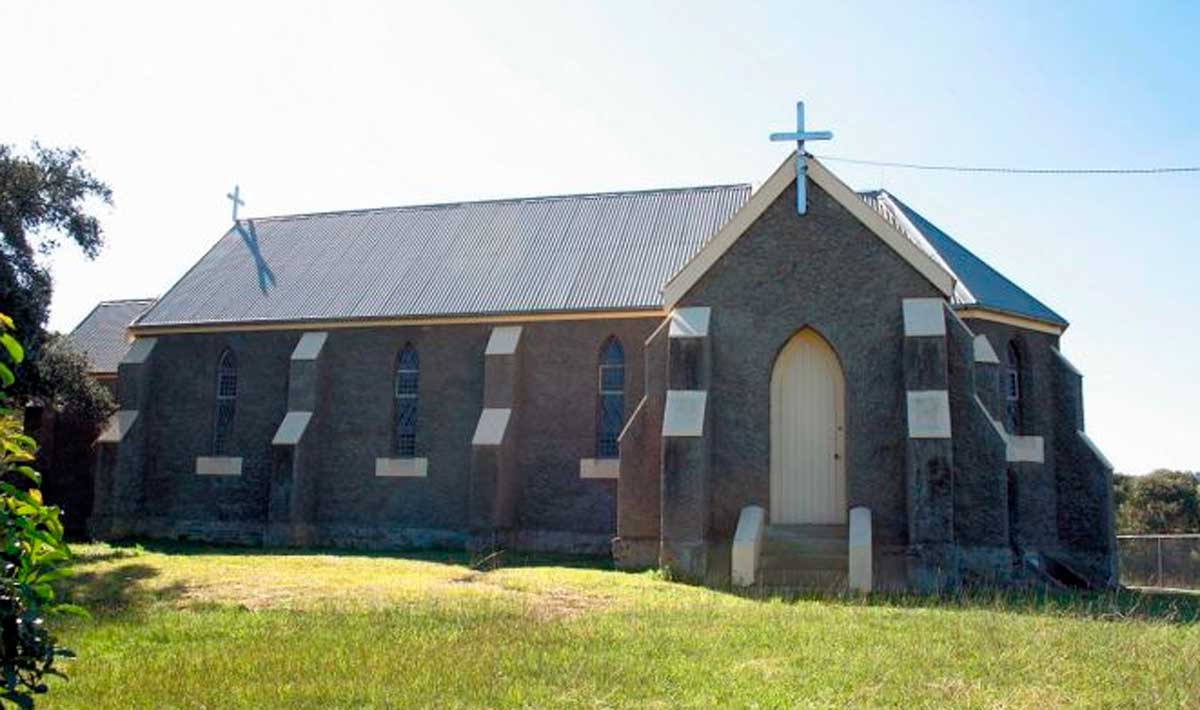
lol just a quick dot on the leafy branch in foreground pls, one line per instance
(32, 553)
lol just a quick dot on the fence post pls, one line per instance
(1160, 569)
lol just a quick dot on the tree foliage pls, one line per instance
(32, 553)
(45, 198)
(1160, 502)
(69, 389)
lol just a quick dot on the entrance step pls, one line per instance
(805, 556)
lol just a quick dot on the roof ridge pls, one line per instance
(115, 301)
(498, 200)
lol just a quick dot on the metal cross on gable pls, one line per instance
(237, 201)
(800, 135)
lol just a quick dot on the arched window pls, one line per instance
(1012, 385)
(408, 371)
(612, 399)
(227, 389)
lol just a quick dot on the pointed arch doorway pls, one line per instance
(808, 443)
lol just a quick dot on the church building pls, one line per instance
(705, 379)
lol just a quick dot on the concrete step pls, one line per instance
(817, 580)
(814, 557)
(815, 563)
(806, 540)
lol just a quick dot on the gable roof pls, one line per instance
(103, 335)
(978, 284)
(933, 269)
(594, 252)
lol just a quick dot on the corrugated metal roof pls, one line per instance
(609, 251)
(978, 283)
(103, 335)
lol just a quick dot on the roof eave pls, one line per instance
(1002, 315)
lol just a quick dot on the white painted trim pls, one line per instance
(1067, 363)
(291, 429)
(309, 346)
(698, 265)
(928, 414)
(860, 568)
(683, 414)
(401, 468)
(690, 322)
(503, 340)
(923, 317)
(747, 546)
(954, 314)
(984, 313)
(961, 293)
(599, 468)
(784, 176)
(118, 426)
(139, 351)
(218, 465)
(848, 198)
(394, 322)
(984, 352)
(1095, 449)
(489, 431)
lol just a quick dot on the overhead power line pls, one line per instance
(1018, 171)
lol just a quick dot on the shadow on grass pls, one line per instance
(1122, 605)
(114, 590)
(461, 558)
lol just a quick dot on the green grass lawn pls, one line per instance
(194, 627)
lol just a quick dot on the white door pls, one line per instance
(808, 479)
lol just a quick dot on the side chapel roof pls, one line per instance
(103, 335)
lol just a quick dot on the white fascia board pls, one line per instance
(961, 293)
(996, 316)
(784, 176)
(690, 274)
(872, 220)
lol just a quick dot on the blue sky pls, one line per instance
(346, 105)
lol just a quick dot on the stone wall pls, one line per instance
(352, 426)
(828, 272)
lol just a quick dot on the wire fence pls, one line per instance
(1170, 561)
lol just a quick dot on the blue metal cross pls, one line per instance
(800, 136)
(236, 200)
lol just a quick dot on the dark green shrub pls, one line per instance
(32, 553)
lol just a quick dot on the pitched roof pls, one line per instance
(595, 252)
(978, 283)
(103, 335)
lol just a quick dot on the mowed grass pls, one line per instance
(193, 627)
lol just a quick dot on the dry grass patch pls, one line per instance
(196, 627)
